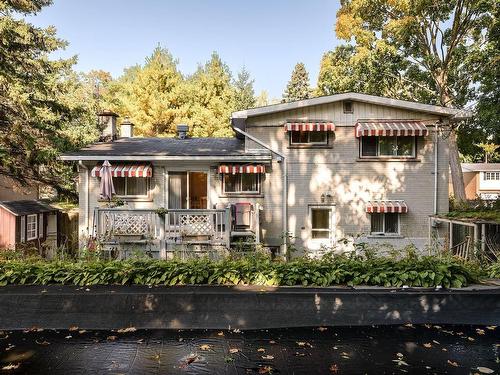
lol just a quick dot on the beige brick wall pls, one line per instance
(351, 182)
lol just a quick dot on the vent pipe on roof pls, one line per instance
(127, 129)
(182, 131)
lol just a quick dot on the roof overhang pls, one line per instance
(414, 106)
(261, 157)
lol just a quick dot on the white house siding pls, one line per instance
(313, 172)
(271, 200)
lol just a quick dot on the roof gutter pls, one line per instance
(164, 157)
(281, 159)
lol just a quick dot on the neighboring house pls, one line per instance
(342, 166)
(27, 223)
(482, 180)
(12, 191)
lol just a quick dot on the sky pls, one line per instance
(268, 37)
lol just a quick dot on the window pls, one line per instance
(131, 186)
(491, 176)
(382, 224)
(321, 222)
(348, 107)
(31, 227)
(400, 147)
(299, 137)
(241, 183)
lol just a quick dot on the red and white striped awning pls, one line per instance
(391, 128)
(310, 126)
(126, 170)
(238, 168)
(386, 206)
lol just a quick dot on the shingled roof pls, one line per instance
(26, 207)
(189, 147)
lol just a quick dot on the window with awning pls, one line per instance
(309, 132)
(242, 169)
(126, 170)
(389, 206)
(400, 128)
(310, 126)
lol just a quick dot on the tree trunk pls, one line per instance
(457, 177)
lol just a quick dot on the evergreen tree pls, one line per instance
(150, 95)
(32, 113)
(211, 100)
(244, 93)
(298, 87)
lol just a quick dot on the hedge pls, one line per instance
(426, 271)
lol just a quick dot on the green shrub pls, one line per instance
(494, 270)
(426, 271)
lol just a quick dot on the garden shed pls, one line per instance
(27, 223)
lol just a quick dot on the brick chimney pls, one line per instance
(107, 123)
(182, 131)
(127, 129)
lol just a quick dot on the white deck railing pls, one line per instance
(180, 226)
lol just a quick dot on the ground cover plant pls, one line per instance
(255, 269)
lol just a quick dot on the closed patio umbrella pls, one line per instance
(107, 188)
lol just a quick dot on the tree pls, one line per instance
(263, 99)
(380, 72)
(244, 93)
(298, 87)
(490, 151)
(434, 38)
(211, 100)
(150, 95)
(32, 113)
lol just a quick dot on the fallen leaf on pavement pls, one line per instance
(265, 370)
(205, 347)
(11, 367)
(453, 363)
(485, 370)
(262, 350)
(233, 350)
(428, 345)
(267, 357)
(480, 331)
(43, 343)
(491, 328)
(73, 328)
(188, 360)
(220, 333)
(111, 338)
(126, 330)
(334, 368)
(322, 329)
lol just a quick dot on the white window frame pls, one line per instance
(40, 225)
(33, 229)
(145, 196)
(384, 234)
(378, 156)
(331, 237)
(23, 229)
(489, 180)
(258, 175)
(324, 143)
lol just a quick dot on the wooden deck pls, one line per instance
(173, 230)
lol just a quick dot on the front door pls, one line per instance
(187, 190)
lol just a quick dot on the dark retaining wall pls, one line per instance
(220, 307)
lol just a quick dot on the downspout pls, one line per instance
(80, 164)
(435, 169)
(285, 183)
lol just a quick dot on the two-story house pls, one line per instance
(316, 171)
